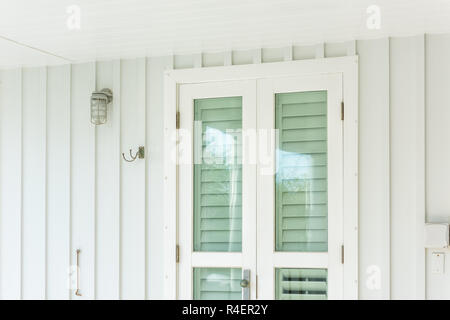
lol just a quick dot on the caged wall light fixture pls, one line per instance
(99, 103)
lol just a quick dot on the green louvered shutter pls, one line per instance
(217, 284)
(301, 284)
(218, 174)
(301, 179)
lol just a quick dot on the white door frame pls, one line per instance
(348, 67)
(188, 258)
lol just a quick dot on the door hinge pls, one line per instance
(342, 254)
(177, 254)
(342, 110)
(178, 120)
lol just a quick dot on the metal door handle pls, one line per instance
(245, 284)
(77, 292)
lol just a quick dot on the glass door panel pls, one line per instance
(301, 178)
(218, 174)
(217, 284)
(300, 284)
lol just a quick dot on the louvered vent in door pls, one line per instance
(217, 284)
(218, 174)
(301, 178)
(301, 284)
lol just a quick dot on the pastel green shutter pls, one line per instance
(217, 284)
(301, 284)
(218, 174)
(301, 181)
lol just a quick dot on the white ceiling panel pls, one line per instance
(13, 55)
(130, 28)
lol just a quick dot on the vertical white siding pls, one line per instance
(374, 188)
(83, 182)
(11, 184)
(133, 220)
(58, 181)
(64, 185)
(438, 150)
(34, 184)
(108, 187)
(407, 92)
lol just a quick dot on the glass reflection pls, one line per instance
(218, 175)
(301, 178)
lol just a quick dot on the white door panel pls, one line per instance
(222, 243)
(270, 259)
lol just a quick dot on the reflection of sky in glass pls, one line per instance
(294, 169)
(221, 149)
(224, 282)
(301, 177)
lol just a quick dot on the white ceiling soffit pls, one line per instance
(131, 28)
(13, 55)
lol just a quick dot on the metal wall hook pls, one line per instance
(139, 154)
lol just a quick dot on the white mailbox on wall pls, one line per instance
(436, 235)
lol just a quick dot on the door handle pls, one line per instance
(77, 292)
(245, 284)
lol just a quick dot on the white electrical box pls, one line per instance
(437, 262)
(436, 235)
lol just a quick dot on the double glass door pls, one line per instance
(260, 189)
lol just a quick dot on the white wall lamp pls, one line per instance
(99, 103)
